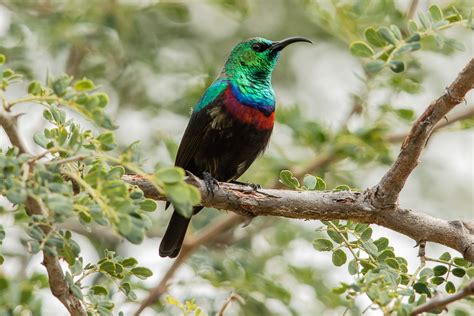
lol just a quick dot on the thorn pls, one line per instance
(248, 220)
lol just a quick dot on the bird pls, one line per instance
(230, 126)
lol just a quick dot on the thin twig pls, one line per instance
(456, 117)
(440, 302)
(230, 299)
(412, 8)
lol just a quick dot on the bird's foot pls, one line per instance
(254, 186)
(210, 183)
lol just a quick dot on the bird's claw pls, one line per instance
(210, 183)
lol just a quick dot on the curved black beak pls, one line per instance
(278, 46)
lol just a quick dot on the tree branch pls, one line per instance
(319, 205)
(57, 283)
(440, 302)
(387, 190)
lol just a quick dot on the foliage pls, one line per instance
(81, 180)
(156, 59)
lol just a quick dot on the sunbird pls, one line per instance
(230, 126)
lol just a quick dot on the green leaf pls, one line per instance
(107, 141)
(129, 262)
(103, 99)
(424, 20)
(148, 205)
(322, 244)
(310, 182)
(107, 266)
(391, 262)
(76, 290)
(34, 88)
(334, 235)
(387, 253)
(440, 270)
(374, 66)
(83, 85)
(361, 49)
(353, 267)
(470, 272)
(387, 35)
(320, 185)
(366, 234)
(2, 259)
(2, 233)
(99, 290)
(373, 37)
(406, 114)
(40, 139)
(446, 256)
(3, 59)
(142, 272)
(437, 280)
(59, 204)
(397, 66)
(459, 261)
(412, 26)
(414, 38)
(341, 187)
(435, 12)
(339, 257)
(381, 243)
(287, 178)
(16, 195)
(170, 175)
(450, 288)
(421, 288)
(396, 32)
(459, 272)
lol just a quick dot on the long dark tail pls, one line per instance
(174, 236)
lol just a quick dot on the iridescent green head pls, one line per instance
(255, 59)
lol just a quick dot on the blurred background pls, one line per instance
(155, 59)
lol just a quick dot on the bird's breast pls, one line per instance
(258, 117)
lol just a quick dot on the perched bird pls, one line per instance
(230, 126)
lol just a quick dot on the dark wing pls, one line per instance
(198, 125)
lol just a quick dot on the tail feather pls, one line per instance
(174, 236)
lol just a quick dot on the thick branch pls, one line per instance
(57, 283)
(387, 190)
(318, 205)
(440, 302)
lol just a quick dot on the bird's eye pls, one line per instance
(258, 47)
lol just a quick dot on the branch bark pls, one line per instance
(57, 283)
(440, 302)
(387, 190)
(319, 205)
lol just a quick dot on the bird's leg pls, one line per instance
(254, 186)
(210, 183)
